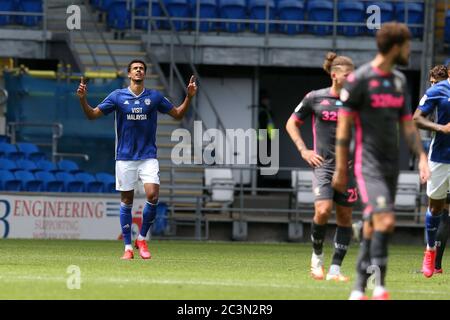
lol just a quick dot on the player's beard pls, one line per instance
(138, 81)
(401, 61)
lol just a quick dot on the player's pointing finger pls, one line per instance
(192, 80)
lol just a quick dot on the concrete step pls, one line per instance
(183, 182)
(95, 40)
(121, 59)
(127, 54)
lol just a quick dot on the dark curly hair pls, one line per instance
(439, 72)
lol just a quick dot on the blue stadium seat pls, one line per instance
(2, 137)
(141, 9)
(32, 6)
(386, 12)
(90, 183)
(31, 151)
(27, 165)
(96, 4)
(105, 4)
(232, 9)
(29, 181)
(415, 16)
(208, 9)
(351, 11)
(68, 166)
(447, 27)
(49, 181)
(119, 17)
(46, 165)
(8, 181)
(71, 184)
(6, 5)
(7, 164)
(10, 151)
(178, 9)
(257, 10)
(320, 11)
(292, 10)
(108, 180)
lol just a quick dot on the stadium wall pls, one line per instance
(69, 216)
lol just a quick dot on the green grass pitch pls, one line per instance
(37, 269)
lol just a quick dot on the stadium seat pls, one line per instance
(6, 5)
(320, 11)
(232, 9)
(108, 180)
(90, 183)
(49, 181)
(386, 12)
(10, 151)
(32, 6)
(447, 27)
(4, 138)
(141, 9)
(407, 195)
(257, 10)
(220, 184)
(71, 184)
(8, 181)
(27, 165)
(31, 151)
(95, 3)
(351, 11)
(46, 165)
(292, 10)
(208, 10)
(105, 4)
(6, 164)
(29, 181)
(415, 16)
(178, 9)
(68, 166)
(301, 182)
(119, 16)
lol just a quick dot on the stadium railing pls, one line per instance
(282, 211)
(333, 17)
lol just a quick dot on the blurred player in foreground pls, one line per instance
(375, 102)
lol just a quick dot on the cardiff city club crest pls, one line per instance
(147, 102)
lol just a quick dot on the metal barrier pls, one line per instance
(57, 132)
(42, 14)
(294, 215)
(197, 20)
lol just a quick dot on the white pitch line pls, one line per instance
(199, 282)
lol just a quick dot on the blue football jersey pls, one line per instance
(437, 99)
(135, 121)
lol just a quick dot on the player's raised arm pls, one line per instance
(91, 113)
(179, 112)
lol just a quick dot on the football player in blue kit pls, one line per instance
(136, 109)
